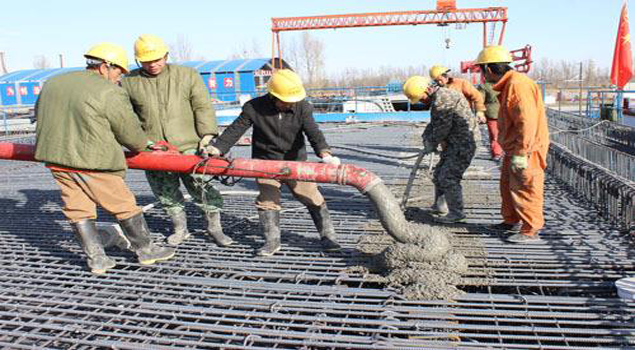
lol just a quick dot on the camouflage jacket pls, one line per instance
(451, 120)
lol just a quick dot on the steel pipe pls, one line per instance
(369, 184)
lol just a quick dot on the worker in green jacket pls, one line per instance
(491, 114)
(83, 119)
(174, 105)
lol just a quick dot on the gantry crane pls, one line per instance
(445, 14)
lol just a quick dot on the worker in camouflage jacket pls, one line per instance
(174, 106)
(280, 121)
(452, 125)
(83, 119)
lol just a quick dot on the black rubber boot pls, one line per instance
(215, 230)
(111, 235)
(137, 232)
(88, 236)
(270, 221)
(322, 220)
(440, 205)
(179, 220)
(455, 215)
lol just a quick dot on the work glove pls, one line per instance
(151, 146)
(429, 147)
(519, 163)
(211, 151)
(481, 117)
(204, 142)
(332, 160)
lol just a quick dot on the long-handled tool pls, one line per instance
(413, 175)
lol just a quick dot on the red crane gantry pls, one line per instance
(445, 14)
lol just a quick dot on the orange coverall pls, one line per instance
(523, 131)
(473, 96)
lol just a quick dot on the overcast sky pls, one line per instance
(575, 30)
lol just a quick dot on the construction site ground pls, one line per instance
(558, 294)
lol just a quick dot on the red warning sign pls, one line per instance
(228, 82)
(212, 83)
(23, 90)
(10, 91)
(36, 90)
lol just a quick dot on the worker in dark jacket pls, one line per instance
(453, 124)
(174, 105)
(280, 120)
(83, 119)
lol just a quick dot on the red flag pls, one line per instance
(622, 69)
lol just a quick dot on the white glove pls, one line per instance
(204, 142)
(481, 117)
(329, 159)
(211, 151)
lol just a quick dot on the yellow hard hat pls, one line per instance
(437, 71)
(286, 85)
(149, 48)
(415, 88)
(110, 53)
(494, 54)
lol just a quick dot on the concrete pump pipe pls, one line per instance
(369, 184)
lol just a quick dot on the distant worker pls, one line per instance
(491, 115)
(524, 136)
(281, 119)
(441, 76)
(174, 105)
(83, 119)
(451, 124)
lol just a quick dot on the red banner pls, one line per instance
(622, 69)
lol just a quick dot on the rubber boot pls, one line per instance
(270, 221)
(322, 220)
(111, 235)
(179, 221)
(455, 204)
(136, 230)
(215, 229)
(440, 206)
(88, 236)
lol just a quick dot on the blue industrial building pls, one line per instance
(226, 80)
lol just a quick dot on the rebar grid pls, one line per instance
(556, 295)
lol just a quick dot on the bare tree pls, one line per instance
(40, 62)
(181, 50)
(291, 53)
(244, 51)
(313, 60)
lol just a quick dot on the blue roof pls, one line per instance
(235, 65)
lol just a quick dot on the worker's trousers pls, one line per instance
(495, 148)
(522, 193)
(306, 193)
(83, 191)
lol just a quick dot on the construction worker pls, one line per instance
(491, 115)
(281, 119)
(174, 106)
(440, 75)
(451, 124)
(524, 137)
(83, 119)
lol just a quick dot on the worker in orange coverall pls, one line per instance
(524, 136)
(440, 75)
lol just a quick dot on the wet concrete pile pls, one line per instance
(428, 268)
